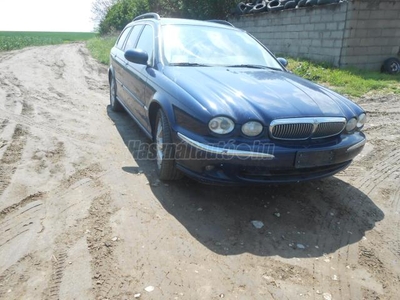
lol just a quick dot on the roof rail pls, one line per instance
(148, 16)
(223, 22)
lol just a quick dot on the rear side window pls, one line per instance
(131, 42)
(122, 37)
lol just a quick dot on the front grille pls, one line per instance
(292, 131)
(328, 129)
(305, 128)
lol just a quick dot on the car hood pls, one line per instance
(246, 94)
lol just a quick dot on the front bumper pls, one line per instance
(264, 163)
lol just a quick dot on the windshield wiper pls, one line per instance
(253, 66)
(187, 64)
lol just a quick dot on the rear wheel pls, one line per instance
(165, 149)
(114, 103)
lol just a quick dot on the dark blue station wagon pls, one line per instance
(222, 109)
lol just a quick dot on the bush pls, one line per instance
(207, 9)
(100, 48)
(121, 13)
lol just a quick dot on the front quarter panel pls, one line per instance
(172, 98)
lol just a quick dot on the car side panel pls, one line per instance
(134, 82)
(118, 65)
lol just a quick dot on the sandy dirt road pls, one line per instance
(81, 218)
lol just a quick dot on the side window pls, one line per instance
(146, 41)
(122, 37)
(130, 44)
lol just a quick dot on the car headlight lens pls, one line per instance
(221, 125)
(361, 120)
(351, 124)
(252, 128)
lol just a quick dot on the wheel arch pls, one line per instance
(160, 102)
(154, 107)
(110, 73)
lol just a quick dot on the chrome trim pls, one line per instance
(223, 151)
(309, 120)
(356, 146)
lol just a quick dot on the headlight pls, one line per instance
(221, 125)
(252, 128)
(361, 120)
(351, 124)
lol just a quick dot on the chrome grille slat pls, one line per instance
(304, 128)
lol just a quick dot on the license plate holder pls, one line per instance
(310, 159)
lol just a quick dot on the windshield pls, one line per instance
(191, 45)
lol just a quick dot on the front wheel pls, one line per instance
(114, 103)
(165, 149)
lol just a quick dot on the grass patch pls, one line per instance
(100, 48)
(12, 40)
(352, 82)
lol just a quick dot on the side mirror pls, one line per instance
(283, 61)
(137, 56)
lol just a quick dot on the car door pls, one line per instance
(118, 62)
(125, 78)
(137, 74)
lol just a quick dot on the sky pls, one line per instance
(46, 15)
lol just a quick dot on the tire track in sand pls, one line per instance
(12, 156)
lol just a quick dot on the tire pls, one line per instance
(261, 7)
(323, 2)
(240, 8)
(301, 3)
(275, 5)
(391, 65)
(311, 2)
(290, 4)
(165, 149)
(248, 8)
(114, 103)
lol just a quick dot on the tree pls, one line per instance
(121, 13)
(207, 9)
(100, 9)
(193, 9)
(167, 8)
(115, 17)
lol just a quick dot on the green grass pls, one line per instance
(100, 48)
(352, 82)
(11, 40)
